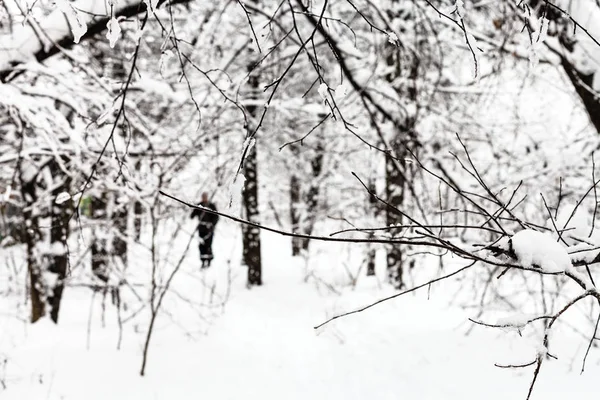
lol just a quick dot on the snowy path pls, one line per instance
(265, 347)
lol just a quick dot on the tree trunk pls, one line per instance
(295, 213)
(395, 164)
(394, 187)
(59, 259)
(581, 84)
(371, 260)
(112, 222)
(138, 212)
(394, 184)
(252, 256)
(46, 294)
(372, 204)
(118, 220)
(99, 246)
(303, 222)
(251, 234)
(32, 236)
(312, 196)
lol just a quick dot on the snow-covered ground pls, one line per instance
(262, 345)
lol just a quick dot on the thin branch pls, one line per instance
(529, 364)
(458, 271)
(587, 351)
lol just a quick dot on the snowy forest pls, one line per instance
(299, 199)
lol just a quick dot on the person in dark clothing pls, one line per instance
(206, 229)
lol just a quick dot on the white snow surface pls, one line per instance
(262, 345)
(538, 249)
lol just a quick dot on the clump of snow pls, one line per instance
(137, 32)
(7, 193)
(541, 350)
(460, 7)
(164, 58)
(537, 40)
(583, 252)
(50, 279)
(76, 21)
(235, 194)
(248, 145)
(541, 250)
(51, 249)
(393, 38)
(57, 249)
(341, 91)
(515, 323)
(114, 32)
(62, 197)
(323, 89)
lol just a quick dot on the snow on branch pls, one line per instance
(65, 26)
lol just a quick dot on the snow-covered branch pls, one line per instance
(68, 24)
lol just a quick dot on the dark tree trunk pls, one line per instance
(251, 235)
(59, 233)
(394, 187)
(295, 196)
(395, 164)
(99, 246)
(138, 211)
(32, 236)
(372, 204)
(38, 306)
(581, 84)
(46, 294)
(312, 196)
(119, 239)
(304, 222)
(371, 262)
(115, 223)
(252, 256)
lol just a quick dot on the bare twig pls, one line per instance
(426, 284)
